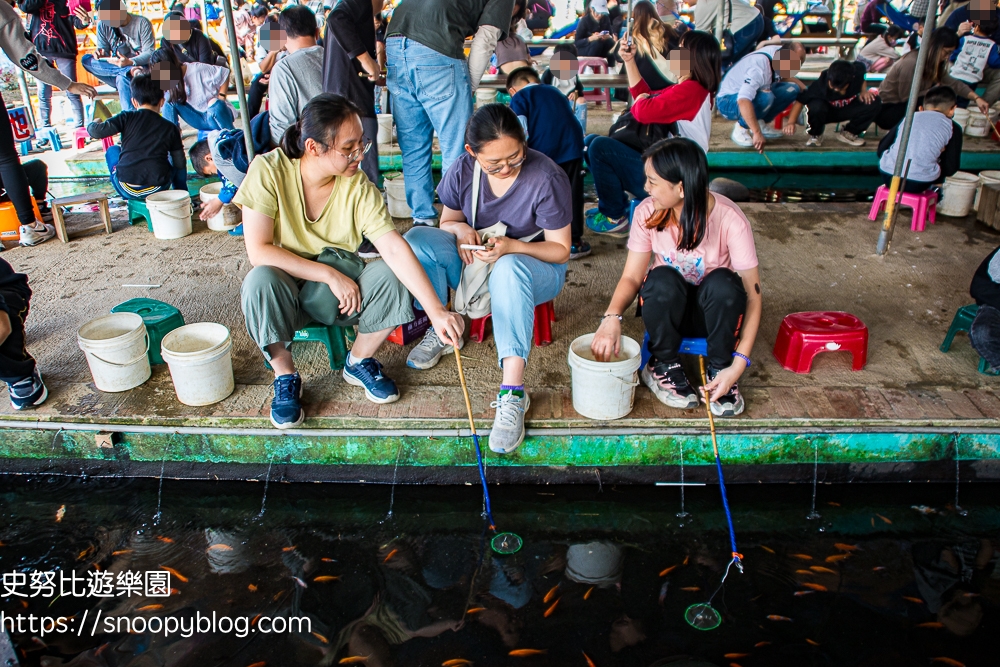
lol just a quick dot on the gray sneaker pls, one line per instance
(31, 235)
(429, 351)
(508, 425)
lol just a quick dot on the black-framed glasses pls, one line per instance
(509, 164)
(355, 156)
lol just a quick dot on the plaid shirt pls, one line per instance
(918, 9)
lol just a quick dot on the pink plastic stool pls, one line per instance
(924, 205)
(803, 335)
(80, 137)
(107, 142)
(600, 66)
(545, 315)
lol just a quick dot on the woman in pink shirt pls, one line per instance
(693, 265)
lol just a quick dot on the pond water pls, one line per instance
(345, 574)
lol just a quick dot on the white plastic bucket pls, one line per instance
(602, 390)
(170, 213)
(384, 128)
(985, 178)
(201, 362)
(957, 194)
(978, 125)
(485, 96)
(228, 217)
(115, 346)
(395, 195)
(962, 118)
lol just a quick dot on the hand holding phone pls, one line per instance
(469, 246)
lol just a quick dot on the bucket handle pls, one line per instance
(127, 363)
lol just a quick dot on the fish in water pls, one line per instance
(924, 509)
(761, 644)
(687, 559)
(735, 656)
(590, 663)
(391, 554)
(476, 610)
(668, 570)
(324, 578)
(802, 556)
(775, 617)
(879, 568)
(692, 589)
(527, 652)
(258, 664)
(663, 591)
(832, 504)
(456, 662)
(767, 549)
(120, 552)
(804, 572)
(60, 513)
(551, 610)
(329, 560)
(551, 594)
(300, 582)
(840, 546)
(913, 599)
(888, 521)
(948, 661)
(799, 594)
(735, 664)
(934, 625)
(291, 548)
(174, 573)
(837, 557)
(320, 637)
(220, 547)
(150, 607)
(820, 568)
(586, 596)
(252, 588)
(353, 659)
(165, 540)
(811, 642)
(816, 587)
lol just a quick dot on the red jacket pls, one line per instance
(682, 101)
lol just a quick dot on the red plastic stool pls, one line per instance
(107, 142)
(599, 66)
(924, 205)
(779, 119)
(545, 315)
(803, 335)
(80, 137)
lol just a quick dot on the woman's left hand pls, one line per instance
(726, 378)
(496, 248)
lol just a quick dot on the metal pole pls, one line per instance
(234, 58)
(22, 82)
(840, 17)
(885, 236)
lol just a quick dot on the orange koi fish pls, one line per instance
(476, 610)
(456, 662)
(837, 557)
(329, 560)
(816, 587)
(391, 554)
(120, 552)
(527, 652)
(735, 656)
(913, 599)
(150, 607)
(165, 540)
(324, 578)
(799, 594)
(174, 573)
(801, 556)
(948, 661)
(840, 546)
(258, 664)
(320, 637)
(687, 559)
(767, 549)
(353, 659)
(551, 594)
(220, 547)
(888, 521)
(60, 513)
(692, 589)
(252, 588)
(551, 610)
(761, 644)
(820, 568)
(809, 572)
(832, 504)
(775, 617)
(586, 596)
(811, 642)
(590, 663)
(291, 548)
(668, 570)
(932, 624)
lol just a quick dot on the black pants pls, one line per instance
(12, 174)
(255, 96)
(37, 173)
(912, 187)
(574, 170)
(858, 114)
(673, 308)
(15, 362)
(890, 114)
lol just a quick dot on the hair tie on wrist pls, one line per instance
(743, 357)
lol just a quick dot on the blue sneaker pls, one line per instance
(286, 407)
(237, 230)
(602, 224)
(28, 393)
(367, 373)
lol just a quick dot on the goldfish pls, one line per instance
(888, 521)
(586, 596)
(174, 591)
(300, 582)
(320, 637)
(150, 607)
(590, 663)
(879, 568)
(291, 548)
(924, 509)
(526, 652)
(328, 560)
(735, 656)
(120, 552)
(220, 547)
(258, 664)
(100, 650)
(60, 513)
(252, 588)
(816, 587)
(932, 624)
(837, 557)
(799, 594)
(551, 594)
(165, 540)
(775, 617)
(668, 570)
(663, 592)
(761, 644)
(735, 664)
(324, 578)
(456, 662)
(691, 588)
(767, 549)
(551, 610)
(832, 504)
(174, 573)
(840, 546)
(802, 556)
(391, 554)
(949, 661)
(804, 572)
(476, 610)
(353, 659)
(687, 559)
(820, 568)
(277, 596)
(913, 599)
(811, 642)
(254, 620)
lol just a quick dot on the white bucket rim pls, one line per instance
(168, 197)
(211, 189)
(962, 178)
(983, 174)
(577, 361)
(114, 341)
(200, 358)
(226, 340)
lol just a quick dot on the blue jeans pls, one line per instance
(745, 39)
(68, 67)
(580, 111)
(113, 155)
(217, 117)
(766, 106)
(113, 75)
(616, 169)
(429, 92)
(518, 283)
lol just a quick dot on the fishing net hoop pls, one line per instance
(702, 616)
(506, 543)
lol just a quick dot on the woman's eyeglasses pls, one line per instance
(509, 164)
(356, 155)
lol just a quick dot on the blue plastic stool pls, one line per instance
(50, 133)
(24, 147)
(137, 211)
(695, 346)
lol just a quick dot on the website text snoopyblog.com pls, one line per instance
(168, 626)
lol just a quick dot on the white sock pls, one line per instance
(352, 360)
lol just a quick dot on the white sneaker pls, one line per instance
(814, 141)
(429, 351)
(508, 424)
(422, 222)
(769, 132)
(741, 136)
(31, 235)
(850, 138)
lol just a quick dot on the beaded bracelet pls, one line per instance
(604, 317)
(743, 357)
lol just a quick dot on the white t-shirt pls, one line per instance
(202, 83)
(970, 64)
(751, 74)
(930, 134)
(698, 130)
(706, 13)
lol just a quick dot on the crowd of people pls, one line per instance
(511, 212)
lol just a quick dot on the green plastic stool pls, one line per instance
(963, 322)
(160, 319)
(137, 211)
(334, 338)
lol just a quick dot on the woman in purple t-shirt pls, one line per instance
(530, 194)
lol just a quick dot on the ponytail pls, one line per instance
(292, 143)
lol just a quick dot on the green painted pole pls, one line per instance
(888, 223)
(234, 59)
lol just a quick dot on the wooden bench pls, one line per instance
(86, 198)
